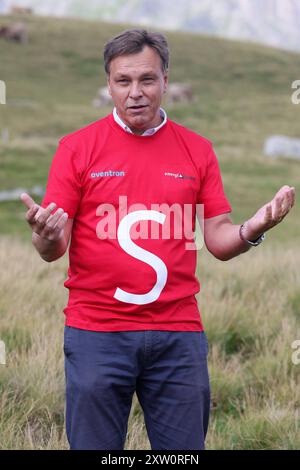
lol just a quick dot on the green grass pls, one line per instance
(250, 305)
(242, 95)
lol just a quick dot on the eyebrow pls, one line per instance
(145, 74)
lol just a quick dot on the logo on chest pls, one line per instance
(105, 174)
(179, 176)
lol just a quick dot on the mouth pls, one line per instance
(137, 107)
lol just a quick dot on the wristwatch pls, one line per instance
(256, 242)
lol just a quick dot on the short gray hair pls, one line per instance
(132, 41)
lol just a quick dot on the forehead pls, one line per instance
(145, 61)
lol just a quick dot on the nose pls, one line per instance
(135, 91)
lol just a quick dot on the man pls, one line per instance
(132, 320)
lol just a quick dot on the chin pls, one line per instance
(138, 123)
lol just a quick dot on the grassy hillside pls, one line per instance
(250, 326)
(242, 96)
(250, 305)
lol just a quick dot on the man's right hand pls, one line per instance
(48, 226)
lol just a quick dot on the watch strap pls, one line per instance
(255, 242)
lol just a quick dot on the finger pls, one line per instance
(289, 205)
(30, 214)
(61, 222)
(55, 231)
(53, 219)
(286, 195)
(290, 200)
(283, 189)
(43, 214)
(27, 200)
(278, 209)
(268, 213)
(285, 203)
(293, 195)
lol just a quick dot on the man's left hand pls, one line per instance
(270, 214)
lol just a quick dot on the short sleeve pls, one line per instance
(63, 185)
(211, 193)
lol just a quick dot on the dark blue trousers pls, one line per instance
(167, 370)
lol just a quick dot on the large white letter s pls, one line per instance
(139, 253)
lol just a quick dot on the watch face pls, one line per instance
(258, 240)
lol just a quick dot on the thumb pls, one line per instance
(27, 200)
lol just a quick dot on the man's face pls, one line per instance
(136, 84)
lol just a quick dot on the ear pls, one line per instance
(108, 85)
(166, 81)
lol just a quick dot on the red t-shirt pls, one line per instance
(125, 271)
